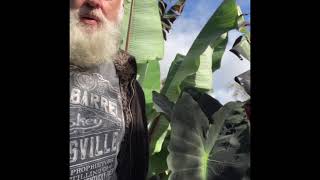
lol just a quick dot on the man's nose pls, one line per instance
(94, 3)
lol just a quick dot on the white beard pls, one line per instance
(89, 49)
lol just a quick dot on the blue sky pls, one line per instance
(185, 30)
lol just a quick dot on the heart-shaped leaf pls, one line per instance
(202, 151)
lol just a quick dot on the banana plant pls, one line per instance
(195, 69)
(142, 37)
(223, 20)
(169, 16)
(145, 26)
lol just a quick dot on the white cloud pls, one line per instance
(223, 95)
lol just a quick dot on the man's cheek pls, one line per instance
(76, 4)
(111, 11)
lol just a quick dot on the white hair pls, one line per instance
(90, 48)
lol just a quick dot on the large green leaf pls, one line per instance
(208, 104)
(158, 134)
(152, 115)
(158, 164)
(202, 79)
(149, 79)
(175, 66)
(145, 39)
(202, 151)
(218, 51)
(223, 20)
(210, 61)
(160, 126)
(162, 104)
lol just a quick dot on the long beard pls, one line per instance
(91, 48)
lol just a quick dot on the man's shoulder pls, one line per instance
(125, 64)
(124, 56)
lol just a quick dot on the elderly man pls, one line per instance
(108, 129)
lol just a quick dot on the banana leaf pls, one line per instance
(242, 24)
(160, 126)
(219, 46)
(202, 79)
(141, 30)
(212, 57)
(149, 79)
(242, 46)
(168, 17)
